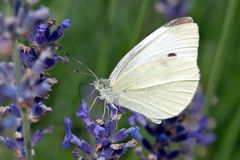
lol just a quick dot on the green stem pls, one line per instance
(17, 62)
(24, 109)
(26, 133)
(139, 22)
(221, 52)
(232, 133)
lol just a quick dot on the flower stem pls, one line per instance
(221, 52)
(26, 133)
(17, 62)
(24, 109)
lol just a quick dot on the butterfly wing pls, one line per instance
(179, 35)
(159, 76)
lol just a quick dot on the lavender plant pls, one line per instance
(173, 8)
(28, 47)
(176, 136)
(108, 143)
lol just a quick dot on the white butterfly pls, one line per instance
(159, 76)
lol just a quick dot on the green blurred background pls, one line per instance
(103, 31)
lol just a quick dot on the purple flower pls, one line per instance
(24, 86)
(173, 8)
(22, 19)
(42, 36)
(58, 33)
(108, 141)
(39, 110)
(17, 145)
(29, 56)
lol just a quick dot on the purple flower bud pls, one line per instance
(40, 34)
(66, 23)
(120, 135)
(37, 136)
(99, 132)
(82, 112)
(206, 139)
(197, 104)
(68, 135)
(179, 129)
(203, 124)
(38, 111)
(8, 91)
(49, 62)
(58, 33)
(43, 86)
(82, 144)
(14, 109)
(162, 138)
(28, 57)
(9, 143)
(137, 117)
(173, 8)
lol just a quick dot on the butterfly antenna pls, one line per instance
(83, 73)
(82, 65)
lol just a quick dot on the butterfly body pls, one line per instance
(159, 76)
(105, 90)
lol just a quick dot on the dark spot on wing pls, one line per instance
(172, 54)
(179, 21)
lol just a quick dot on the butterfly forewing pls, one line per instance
(171, 38)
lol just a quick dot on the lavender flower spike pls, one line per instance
(172, 9)
(108, 143)
(24, 85)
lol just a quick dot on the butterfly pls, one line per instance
(159, 76)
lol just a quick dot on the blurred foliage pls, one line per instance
(104, 30)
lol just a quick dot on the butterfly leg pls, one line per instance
(91, 93)
(104, 109)
(94, 101)
(114, 111)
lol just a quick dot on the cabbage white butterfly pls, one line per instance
(159, 76)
